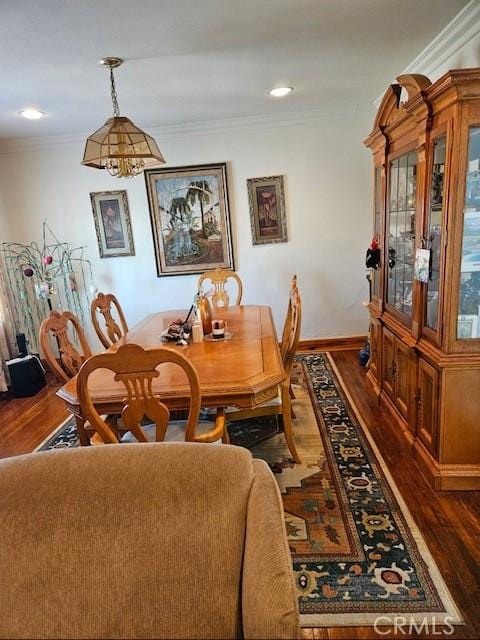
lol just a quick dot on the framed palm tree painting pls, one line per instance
(190, 218)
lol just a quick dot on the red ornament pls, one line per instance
(374, 244)
(47, 259)
(28, 272)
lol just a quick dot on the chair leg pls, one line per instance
(82, 434)
(287, 423)
(226, 435)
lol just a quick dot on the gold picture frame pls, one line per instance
(113, 226)
(190, 218)
(268, 219)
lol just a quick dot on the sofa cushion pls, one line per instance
(141, 541)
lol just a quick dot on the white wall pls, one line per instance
(5, 235)
(5, 320)
(466, 57)
(328, 188)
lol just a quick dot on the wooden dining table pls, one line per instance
(243, 371)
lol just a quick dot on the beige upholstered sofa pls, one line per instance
(143, 541)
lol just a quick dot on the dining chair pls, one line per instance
(136, 369)
(219, 278)
(281, 404)
(102, 304)
(59, 326)
(62, 327)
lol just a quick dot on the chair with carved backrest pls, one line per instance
(57, 326)
(281, 404)
(136, 369)
(219, 278)
(103, 304)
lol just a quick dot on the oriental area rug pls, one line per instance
(357, 554)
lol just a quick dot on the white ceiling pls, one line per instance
(197, 60)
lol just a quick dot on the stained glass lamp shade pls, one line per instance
(119, 146)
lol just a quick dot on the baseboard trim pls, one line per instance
(374, 384)
(446, 477)
(332, 344)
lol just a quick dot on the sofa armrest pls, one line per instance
(269, 599)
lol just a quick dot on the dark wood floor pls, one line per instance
(26, 422)
(449, 521)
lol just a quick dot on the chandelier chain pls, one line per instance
(116, 108)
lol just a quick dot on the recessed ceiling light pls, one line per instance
(279, 92)
(31, 114)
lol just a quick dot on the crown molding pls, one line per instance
(458, 32)
(210, 127)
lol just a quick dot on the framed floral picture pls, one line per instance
(267, 209)
(112, 224)
(190, 218)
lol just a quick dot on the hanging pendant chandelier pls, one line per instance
(119, 146)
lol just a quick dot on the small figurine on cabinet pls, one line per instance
(372, 259)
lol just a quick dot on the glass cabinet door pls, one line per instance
(401, 233)
(468, 325)
(434, 232)
(377, 229)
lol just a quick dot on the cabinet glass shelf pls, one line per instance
(434, 231)
(468, 325)
(377, 229)
(401, 232)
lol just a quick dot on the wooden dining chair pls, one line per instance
(281, 404)
(219, 278)
(62, 327)
(102, 304)
(59, 326)
(136, 369)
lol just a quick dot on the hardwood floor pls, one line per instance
(26, 422)
(449, 521)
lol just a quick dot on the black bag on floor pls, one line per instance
(27, 376)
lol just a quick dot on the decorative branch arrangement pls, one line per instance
(39, 279)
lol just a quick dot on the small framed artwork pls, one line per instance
(268, 218)
(190, 218)
(467, 326)
(112, 224)
(422, 265)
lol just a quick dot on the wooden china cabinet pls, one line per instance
(425, 324)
